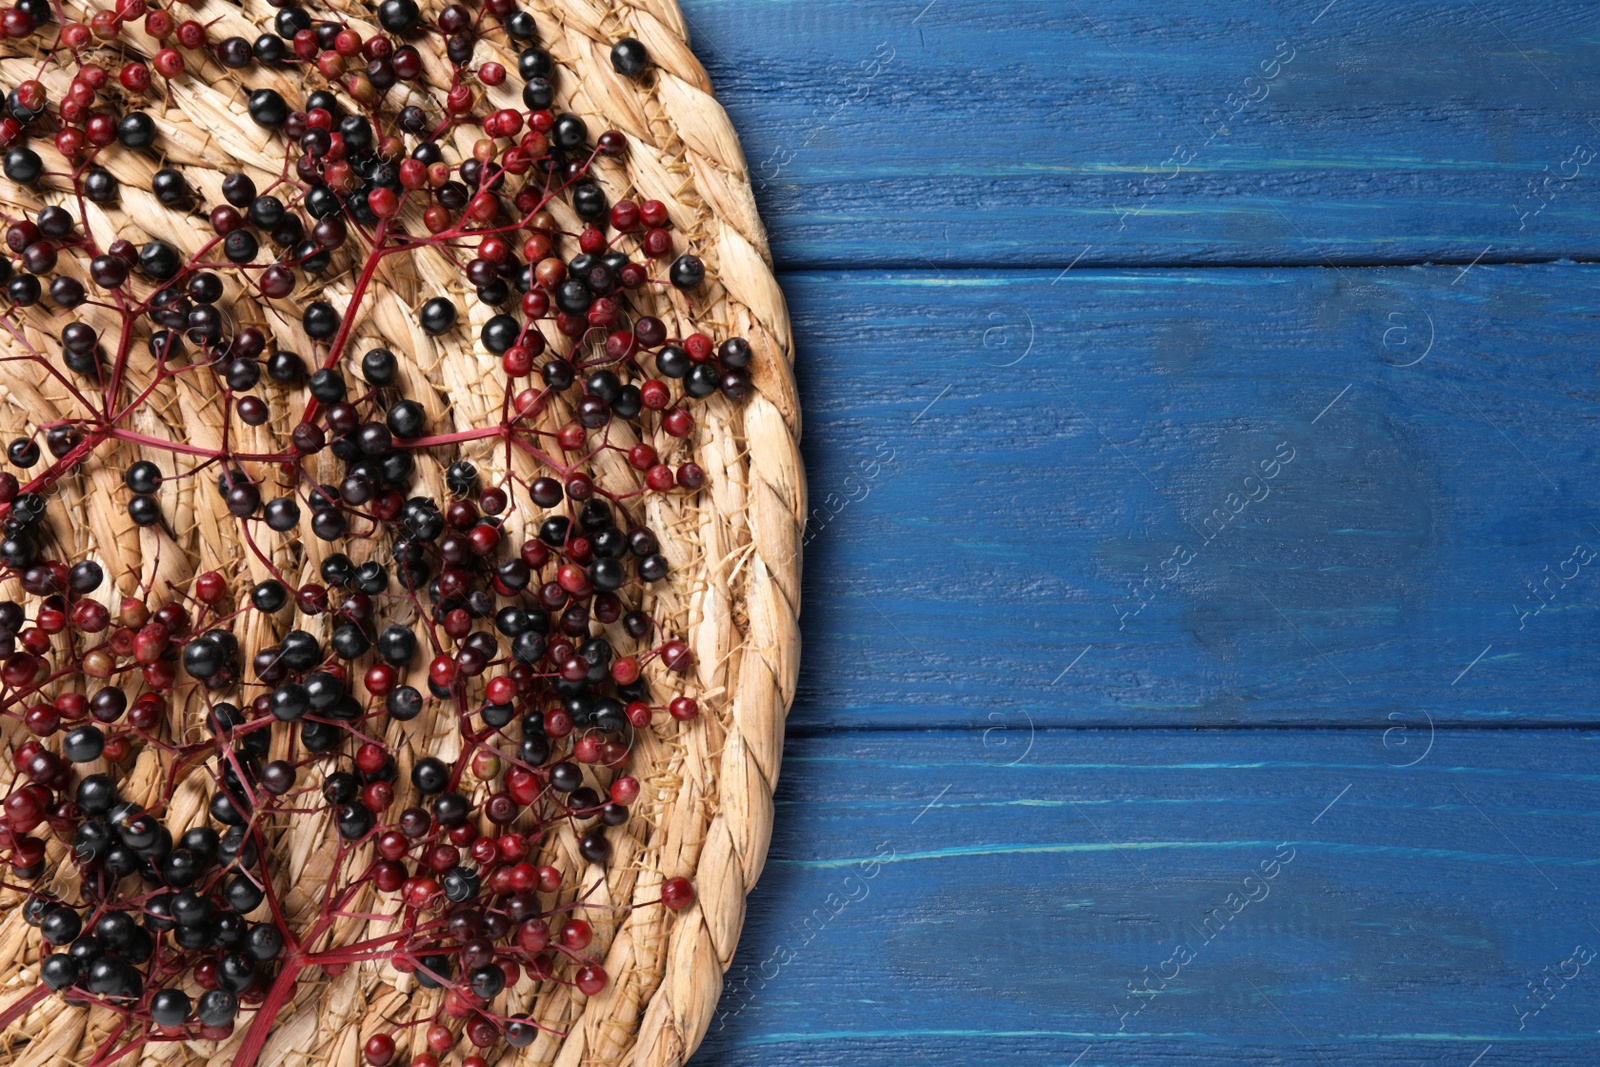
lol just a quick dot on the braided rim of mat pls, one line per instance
(706, 807)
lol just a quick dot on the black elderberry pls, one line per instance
(67, 292)
(379, 367)
(136, 130)
(159, 260)
(687, 272)
(569, 133)
(60, 925)
(328, 525)
(170, 1007)
(170, 188)
(286, 368)
(96, 794)
(521, 27)
(235, 54)
(23, 452)
(565, 777)
(701, 381)
(349, 642)
(629, 58)
(112, 977)
(23, 165)
(242, 894)
(534, 63)
(24, 290)
(558, 374)
(320, 321)
(589, 201)
(500, 333)
(404, 704)
(240, 247)
(398, 16)
(430, 775)
(83, 744)
(266, 107)
(451, 809)
(301, 651)
(263, 942)
(59, 970)
(218, 1006)
(672, 362)
(433, 970)
(438, 316)
(203, 657)
(538, 94)
(270, 49)
(734, 353)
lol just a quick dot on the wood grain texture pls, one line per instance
(1018, 132)
(927, 903)
(976, 526)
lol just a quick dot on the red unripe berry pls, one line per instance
(621, 344)
(420, 891)
(625, 671)
(380, 679)
(660, 478)
(100, 129)
(549, 879)
(191, 34)
(377, 797)
(388, 875)
(441, 1039)
(371, 758)
(413, 174)
(117, 748)
(90, 616)
(655, 395)
(625, 790)
(682, 708)
(105, 25)
(591, 241)
(379, 1049)
(135, 77)
(642, 457)
(517, 361)
(653, 213)
(576, 934)
(638, 713)
(383, 202)
(75, 35)
(677, 893)
(442, 671)
(168, 61)
(159, 24)
(675, 656)
(591, 979)
(572, 436)
(210, 588)
(624, 215)
(691, 476)
(533, 936)
(69, 141)
(492, 74)
(347, 43)
(678, 423)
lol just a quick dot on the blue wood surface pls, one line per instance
(927, 903)
(1026, 778)
(1006, 132)
(1087, 489)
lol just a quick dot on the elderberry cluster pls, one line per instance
(535, 648)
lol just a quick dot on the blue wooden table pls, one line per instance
(1201, 582)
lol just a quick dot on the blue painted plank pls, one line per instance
(1028, 132)
(1294, 898)
(1200, 497)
